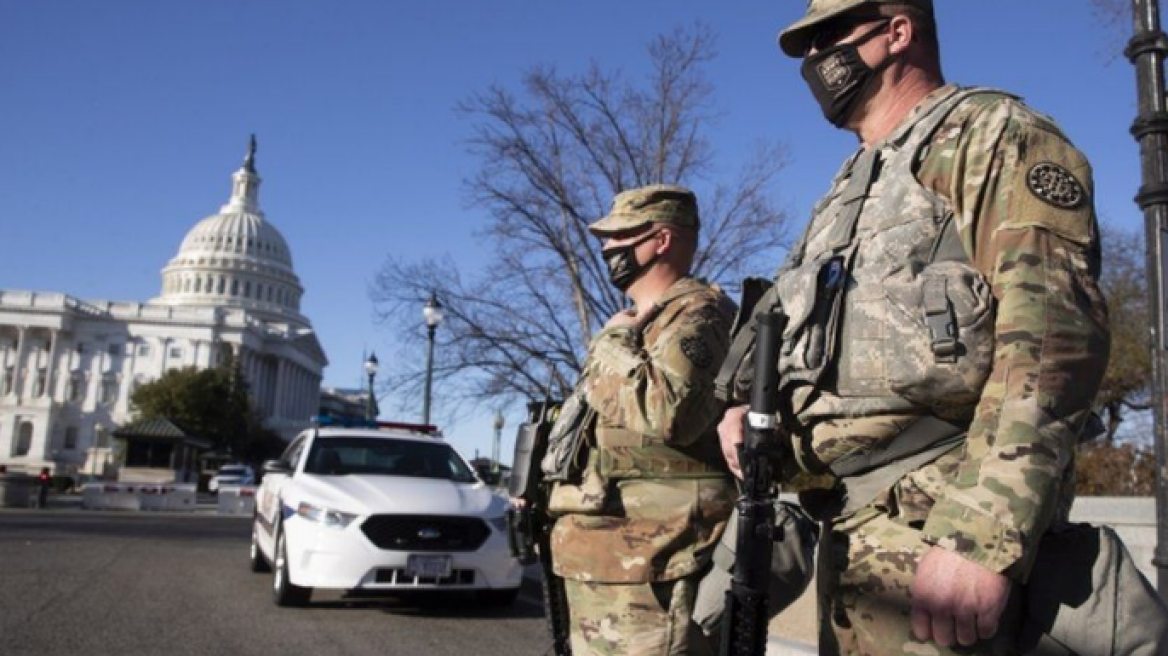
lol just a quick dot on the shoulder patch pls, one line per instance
(1056, 186)
(696, 350)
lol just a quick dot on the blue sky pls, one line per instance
(121, 122)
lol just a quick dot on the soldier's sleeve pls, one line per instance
(665, 391)
(1022, 198)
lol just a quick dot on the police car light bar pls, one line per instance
(425, 429)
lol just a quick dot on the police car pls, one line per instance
(392, 509)
(231, 475)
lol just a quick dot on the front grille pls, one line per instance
(425, 533)
(398, 577)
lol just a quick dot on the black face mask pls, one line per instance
(623, 267)
(838, 76)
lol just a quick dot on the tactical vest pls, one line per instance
(886, 315)
(583, 450)
(626, 454)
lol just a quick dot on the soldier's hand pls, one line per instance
(623, 319)
(731, 435)
(954, 599)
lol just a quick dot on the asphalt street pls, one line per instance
(96, 583)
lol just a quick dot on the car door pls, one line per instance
(268, 503)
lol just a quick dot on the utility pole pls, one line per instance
(498, 423)
(1146, 50)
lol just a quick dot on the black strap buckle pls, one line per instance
(940, 321)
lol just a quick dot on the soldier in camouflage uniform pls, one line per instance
(946, 337)
(655, 495)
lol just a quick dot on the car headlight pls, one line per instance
(325, 516)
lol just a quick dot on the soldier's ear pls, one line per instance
(902, 31)
(666, 244)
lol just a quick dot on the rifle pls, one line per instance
(529, 526)
(744, 626)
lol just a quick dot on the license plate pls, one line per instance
(428, 567)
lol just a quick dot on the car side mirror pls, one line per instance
(276, 467)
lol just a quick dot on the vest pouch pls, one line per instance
(584, 498)
(939, 339)
(626, 454)
(563, 459)
(810, 296)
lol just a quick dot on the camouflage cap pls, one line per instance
(634, 208)
(793, 40)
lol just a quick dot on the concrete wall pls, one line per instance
(1133, 518)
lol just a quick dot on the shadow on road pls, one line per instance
(445, 606)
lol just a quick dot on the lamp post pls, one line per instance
(1148, 49)
(371, 402)
(432, 313)
(495, 447)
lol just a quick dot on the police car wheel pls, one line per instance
(257, 562)
(284, 592)
(502, 597)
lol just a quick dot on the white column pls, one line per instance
(290, 406)
(290, 392)
(303, 405)
(298, 405)
(281, 385)
(51, 382)
(20, 364)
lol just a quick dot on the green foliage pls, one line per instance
(211, 404)
(1114, 470)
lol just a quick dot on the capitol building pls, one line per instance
(68, 366)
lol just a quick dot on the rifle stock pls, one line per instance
(744, 629)
(529, 525)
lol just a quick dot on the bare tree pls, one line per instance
(1115, 21)
(1128, 379)
(1112, 10)
(553, 155)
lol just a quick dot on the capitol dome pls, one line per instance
(235, 258)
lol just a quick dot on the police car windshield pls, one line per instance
(342, 456)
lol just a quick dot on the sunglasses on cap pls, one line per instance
(837, 29)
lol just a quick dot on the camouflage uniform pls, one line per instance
(1019, 197)
(664, 494)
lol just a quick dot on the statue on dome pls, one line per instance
(249, 161)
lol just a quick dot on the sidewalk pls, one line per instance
(794, 632)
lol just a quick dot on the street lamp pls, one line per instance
(371, 402)
(432, 313)
(498, 436)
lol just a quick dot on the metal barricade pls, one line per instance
(138, 496)
(237, 499)
(109, 496)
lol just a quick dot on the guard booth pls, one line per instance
(159, 451)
